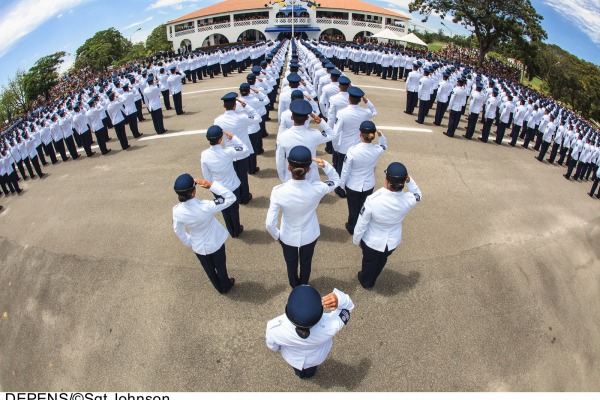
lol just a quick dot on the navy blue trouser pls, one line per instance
(241, 168)
(355, 202)
(471, 125)
(594, 187)
(303, 255)
(453, 121)
(373, 262)
(231, 215)
(306, 373)
(215, 266)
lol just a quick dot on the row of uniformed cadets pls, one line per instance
(505, 104)
(110, 104)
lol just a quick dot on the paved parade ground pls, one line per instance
(495, 285)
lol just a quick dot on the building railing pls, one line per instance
(222, 26)
(185, 32)
(205, 28)
(252, 22)
(374, 25)
(288, 21)
(396, 28)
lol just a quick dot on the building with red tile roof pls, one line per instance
(232, 21)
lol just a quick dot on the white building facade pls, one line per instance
(234, 21)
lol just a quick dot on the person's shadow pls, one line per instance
(255, 292)
(389, 283)
(333, 373)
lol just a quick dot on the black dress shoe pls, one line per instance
(591, 194)
(406, 112)
(566, 177)
(466, 137)
(76, 157)
(232, 280)
(125, 148)
(42, 176)
(480, 138)
(240, 232)
(447, 134)
(140, 135)
(107, 151)
(347, 225)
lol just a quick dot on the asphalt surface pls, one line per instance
(495, 285)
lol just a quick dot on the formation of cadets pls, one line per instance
(311, 89)
(85, 116)
(308, 82)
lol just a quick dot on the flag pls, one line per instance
(311, 4)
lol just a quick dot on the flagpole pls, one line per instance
(293, 17)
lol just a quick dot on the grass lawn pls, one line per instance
(536, 83)
(435, 46)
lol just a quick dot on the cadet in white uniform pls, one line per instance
(346, 128)
(238, 125)
(298, 135)
(206, 235)
(304, 334)
(297, 199)
(477, 100)
(358, 173)
(217, 165)
(378, 230)
(152, 99)
(175, 88)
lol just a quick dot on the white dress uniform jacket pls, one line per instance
(380, 221)
(206, 235)
(298, 201)
(216, 163)
(301, 136)
(306, 353)
(358, 173)
(348, 123)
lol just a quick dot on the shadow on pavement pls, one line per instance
(256, 236)
(254, 292)
(258, 202)
(334, 373)
(338, 235)
(265, 173)
(391, 283)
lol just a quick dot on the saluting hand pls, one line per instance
(365, 100)
(330, 301)
(254, 90)
(203, 183)
(227, 134)
(320, 162)
(315, 118)
(379, 133)
(242, 103)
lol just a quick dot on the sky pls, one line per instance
(30, 29)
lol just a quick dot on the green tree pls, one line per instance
(493, 21)
(13, 100)
(43, 76)
(102, 50)
(157, 41)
